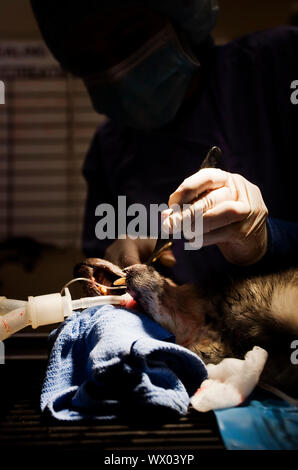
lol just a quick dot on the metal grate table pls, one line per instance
(22, 426)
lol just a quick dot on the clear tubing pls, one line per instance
(13, 321)
(92, 282)
(86, 302)
(7, 305)
(46, 309)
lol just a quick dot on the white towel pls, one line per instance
(230, 381)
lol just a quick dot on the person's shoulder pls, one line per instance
(106, 134)
(106, 127)
(113, 139)
(273, 38)
(263, 49)
(110, 131)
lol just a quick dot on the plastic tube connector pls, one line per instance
(48, 309)
(41, 310)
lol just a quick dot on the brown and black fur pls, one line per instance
(226, 320)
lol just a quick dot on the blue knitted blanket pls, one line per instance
(111, 363)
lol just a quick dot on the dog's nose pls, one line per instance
(129, 273)
(137, 269)
(133, 272)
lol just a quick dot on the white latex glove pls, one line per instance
(234, 213)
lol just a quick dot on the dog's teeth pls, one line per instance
(120, 282)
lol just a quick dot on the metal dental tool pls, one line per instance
(212, 160)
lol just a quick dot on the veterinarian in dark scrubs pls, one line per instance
(170, 95)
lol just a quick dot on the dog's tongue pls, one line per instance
(130, 302)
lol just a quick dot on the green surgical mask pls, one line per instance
(145, 90)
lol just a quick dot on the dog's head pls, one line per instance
(147, 287)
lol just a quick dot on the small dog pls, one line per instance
(221, 321)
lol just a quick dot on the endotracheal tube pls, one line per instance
(47, 309)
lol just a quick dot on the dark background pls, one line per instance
(35, 265)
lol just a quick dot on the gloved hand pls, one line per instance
(234, 213)
(126, 252)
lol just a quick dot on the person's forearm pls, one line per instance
(282, 247)
(281, 253)
(282, 241)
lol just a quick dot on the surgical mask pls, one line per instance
(146, 90)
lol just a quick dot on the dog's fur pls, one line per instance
(228, 320)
